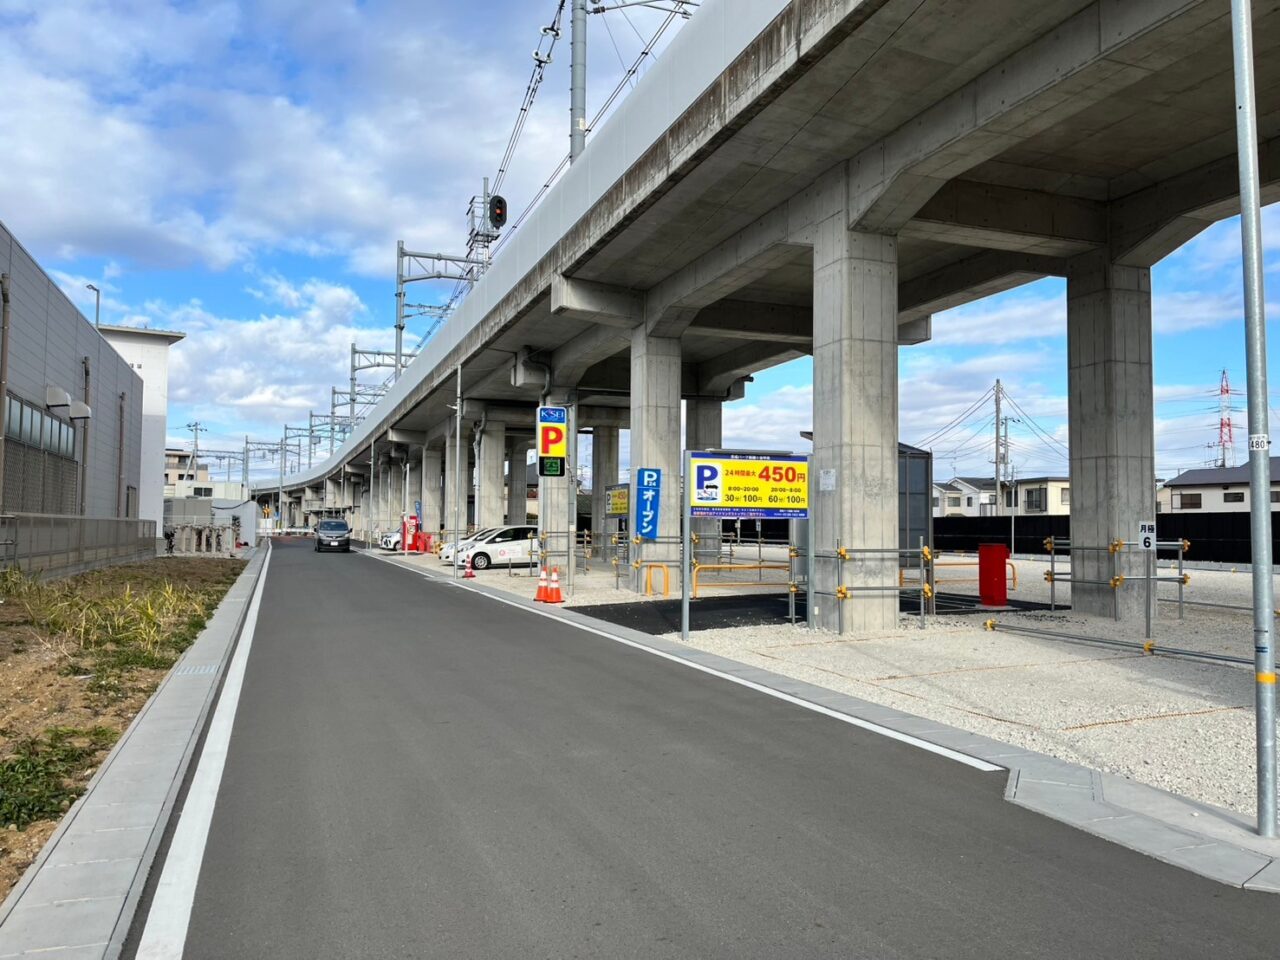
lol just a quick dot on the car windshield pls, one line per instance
(333, 526)
(481, 535)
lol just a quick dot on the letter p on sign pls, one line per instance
(551, 441)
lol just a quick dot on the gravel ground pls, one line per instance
(1181, 725)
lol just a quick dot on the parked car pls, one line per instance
(390, 541)
(333, 535)
(506, 546)
(447, 551)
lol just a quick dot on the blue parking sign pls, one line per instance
(648, 502)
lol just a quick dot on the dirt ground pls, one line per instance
(48, 683)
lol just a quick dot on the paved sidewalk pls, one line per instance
(77, 900)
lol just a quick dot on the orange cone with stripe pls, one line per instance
(554, 595)
(467, 572)
(543, 590)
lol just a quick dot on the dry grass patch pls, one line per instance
(78, 659)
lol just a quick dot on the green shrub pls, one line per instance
(38, 781)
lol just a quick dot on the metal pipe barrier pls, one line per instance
(699, 567)
(1011, 573)
(1151, 563)
(843, 555)
(1149, 646)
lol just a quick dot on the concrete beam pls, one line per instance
(746, 320)
(973, 278)
(1008, 218)
(715, 376)
(749, 255)
(414, 437)
(571, 362)
(1082, 62)
(596, 302)
(1148, 225)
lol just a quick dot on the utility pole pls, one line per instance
(399, 315)
(578, 80)
(1013, 511)
(999, 491)
(1259, 428)
(284, 440)
(196, 429)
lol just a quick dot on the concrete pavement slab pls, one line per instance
(1139, 817)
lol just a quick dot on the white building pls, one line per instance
(1213, 490)
(147, 352)
(976, 497)
(965, 497)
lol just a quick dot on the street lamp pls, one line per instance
(97, 303)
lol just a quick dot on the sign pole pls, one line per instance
(687, 551)
(1259, 429)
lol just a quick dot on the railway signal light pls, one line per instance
(497, 212)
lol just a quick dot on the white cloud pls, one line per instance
(260, 372)
(178, 134)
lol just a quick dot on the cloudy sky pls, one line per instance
(242, 172)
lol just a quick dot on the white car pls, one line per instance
(390, 541)
(505, 546)
(447, 551)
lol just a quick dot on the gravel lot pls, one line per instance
(1181, 725)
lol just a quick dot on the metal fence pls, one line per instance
(57, 544)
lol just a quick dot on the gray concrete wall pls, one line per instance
(49, 339)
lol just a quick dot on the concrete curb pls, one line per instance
(1210, 841)
(77, 900)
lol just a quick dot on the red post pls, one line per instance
(993, 588)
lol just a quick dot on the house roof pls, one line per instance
(1043, 480)
(1217, 476)
(978, 483)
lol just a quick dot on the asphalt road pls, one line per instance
(417, 771)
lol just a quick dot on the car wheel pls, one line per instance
(480, 561)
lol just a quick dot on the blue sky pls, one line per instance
(242, 172)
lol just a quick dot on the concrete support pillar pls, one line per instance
(655, 441)
(432, 490)
(703, 430)
(491, 505)
(395, 501)
(604, 473)
(413, 492)
(553, 504)
(855, 422)
(455, 498)
(517, 487)
(1112, 429)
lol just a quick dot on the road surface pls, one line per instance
(419, 771)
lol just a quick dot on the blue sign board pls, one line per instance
(648, 502)
(417, 509)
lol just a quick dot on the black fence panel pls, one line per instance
(1214, 537)
(952, 534)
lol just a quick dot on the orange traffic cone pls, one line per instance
(543, 590)
(553, 594)
(467, 572)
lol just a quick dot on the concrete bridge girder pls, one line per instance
(1102, 50)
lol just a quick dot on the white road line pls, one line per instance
(867, 725)
(165, 935)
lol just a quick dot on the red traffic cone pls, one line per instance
(467, 572)
(553, 594)
(543, 590)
